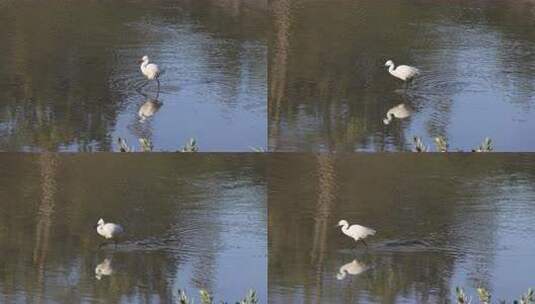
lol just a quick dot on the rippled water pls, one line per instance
(70, 78)
(330, 91)
(441, 221)
(191, 222)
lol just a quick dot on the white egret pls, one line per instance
(148, 109)
(357, 232)
(150, 70)
(400, 111)
(109, 231)
(403, 72)
(352, 268)
(103, 269)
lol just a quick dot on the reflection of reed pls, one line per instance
(326, 199)
(280, 11)
(48, 164)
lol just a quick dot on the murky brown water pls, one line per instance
(330, 91)
(442, 221)
(192, 222)
(69, 78)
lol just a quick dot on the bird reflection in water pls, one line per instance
(400, 111)
(148, 109)
(352, 268)
(104, 269)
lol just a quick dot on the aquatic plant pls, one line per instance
(486, 146)
(485, 297)
(461, 297)
(206, 298)
(419, 145)
(191, 146)
(123, 145)
(147, 146)
(441, 143)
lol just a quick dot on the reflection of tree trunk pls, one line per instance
(277, 67)
(48, 164)
(326, 200)
(203, 275)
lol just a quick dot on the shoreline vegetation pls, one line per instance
(206, 298)
(442, 145)
(486, 298)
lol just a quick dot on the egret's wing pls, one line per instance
(153, 69)
(408, 70)
(357, 267)
(116, 229)
(361, 231)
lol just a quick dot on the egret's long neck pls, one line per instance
(144, 64)
(388, 119)
(391, 68)
(344, 227)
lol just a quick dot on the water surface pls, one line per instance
(330, 91)
(442, 222)
(70, 80)
(192, 222)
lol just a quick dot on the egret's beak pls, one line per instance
(139, 61)
(95, 226)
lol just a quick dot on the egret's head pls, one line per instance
(100, 222)
(144, 59)
(343, 223)
(389, 63)
(386, 121)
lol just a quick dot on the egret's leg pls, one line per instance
(141, 87)
(102, 245)
(364, 243)
(144, 84)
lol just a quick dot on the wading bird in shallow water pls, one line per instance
(352, 268)
(403, 72)
(109, 231)
(150, 70)
(356, 232)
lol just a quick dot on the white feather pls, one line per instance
(150, 70)
(104, 269)
(352, 268)
(403, 72)
(109, 230)
(356, 232)
(148, 109)
(400, 111)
